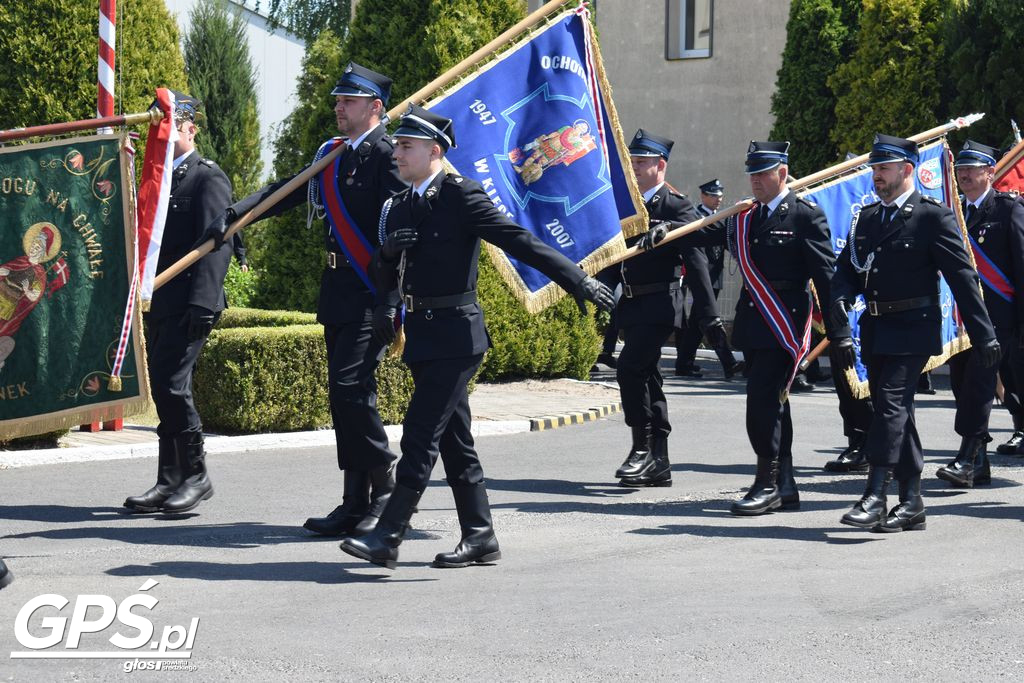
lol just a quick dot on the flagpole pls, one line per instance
(420, 95)
(147, 117)
(800, 184)
(105, 62)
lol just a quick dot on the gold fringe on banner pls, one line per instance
(535, 302)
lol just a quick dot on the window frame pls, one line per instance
(675, 31)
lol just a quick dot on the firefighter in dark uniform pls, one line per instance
(649, 308)
(894, 255)
(711, 327)
(366, 178)
(181, 316)
(429, 255)
(995, 224)
(789, 244)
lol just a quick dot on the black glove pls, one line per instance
(655, 235)
(842, 351)
(397, 242)
(384, 331)
(589, 289)
(198, 322)
(217, 228)
(989, 353)
(838, 315)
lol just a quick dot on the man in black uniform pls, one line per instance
(361, 180)
(650, 306)
(995, 227)
(710, 326)
(894, 255)
(781, 244)
(180, 318)
(429, 254)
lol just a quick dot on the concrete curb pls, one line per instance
(555, 421)
(225, 444)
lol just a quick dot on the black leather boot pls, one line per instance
(870, 510)
(5, 575)
(660, 471)
(382, 483)
(380, 546)
(853, 459)
(982, 468)
(197, 486)
(909, 514)
(639, 456)
(719, 342)
(479, 545)
(763, 495)
(788, 492)
(960, 473)
(1015, 445)
(169, 475)
(355, 504)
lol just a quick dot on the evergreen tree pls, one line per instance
(221, 74)
(48, 52)
(891, 84)
(819, 37)
(308, 18)
(984, 40)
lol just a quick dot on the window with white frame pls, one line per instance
(688, 28)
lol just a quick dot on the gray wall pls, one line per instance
(711, 107)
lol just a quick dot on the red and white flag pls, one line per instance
(154, 192)
(1010, 171)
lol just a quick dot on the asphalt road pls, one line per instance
(596, 582)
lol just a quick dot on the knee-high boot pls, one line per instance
(478, 545)
(197, 486)
(169, 475)
(380, 546)
(909, 515)
(355, 503)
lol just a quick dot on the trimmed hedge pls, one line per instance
(261, 379)
(255, 317)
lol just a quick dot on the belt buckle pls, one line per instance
(627, 291)
(407, 300)
(332, 260)
(873, 308)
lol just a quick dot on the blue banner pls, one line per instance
(536, 127)
(842, 200)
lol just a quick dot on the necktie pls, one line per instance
(887, 212)
(970, 212)
(762, 214)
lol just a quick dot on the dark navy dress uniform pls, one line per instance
(435, 271)
(894, 257)
(368, 177)
(996, 225)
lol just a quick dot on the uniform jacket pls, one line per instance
(792, 246)
(367, 179)
(920, 241)
(663, 265)
(715, 253)
(451, 219)
(997, 226)
(199, 193)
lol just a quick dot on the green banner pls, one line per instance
(66, 254)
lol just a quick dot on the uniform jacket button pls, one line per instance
(874, 270)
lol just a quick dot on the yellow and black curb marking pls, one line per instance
(539, 424)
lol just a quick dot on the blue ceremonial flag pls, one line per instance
(536, 126)
(842, 200)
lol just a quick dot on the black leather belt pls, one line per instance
(877, 308)
(336, 260)
(416, 303)
(630, 291)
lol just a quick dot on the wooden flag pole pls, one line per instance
(420, 95)
(146, 117)
(800, 184)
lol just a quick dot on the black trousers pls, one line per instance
(438, 423)
(974, 388)
(892, 439)
(769, 424)
(1011, 374)
(352, 358)
(172, 360)
(856, 412)
(643, 401)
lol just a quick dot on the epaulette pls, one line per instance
(675, 193)
(868, 206)
(808, 202)
(208, 162)
(1006, 195)
(457, 179)
(931, 200)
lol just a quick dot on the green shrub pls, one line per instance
(255, 317)
(263, 379)
(26, 443)
(239, 287)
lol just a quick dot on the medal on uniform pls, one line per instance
(349, 180)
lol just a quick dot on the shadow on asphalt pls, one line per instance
(847, 535)
(310, 572)
(559, 487)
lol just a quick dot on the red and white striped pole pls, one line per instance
(105, 80)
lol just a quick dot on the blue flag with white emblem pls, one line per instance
(537, 128)
(842, 200)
